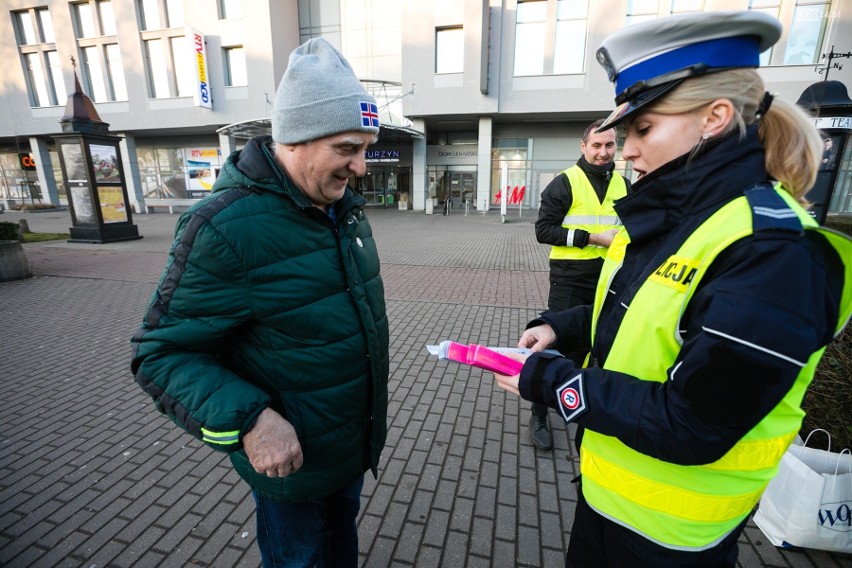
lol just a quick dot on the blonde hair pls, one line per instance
(792, 143)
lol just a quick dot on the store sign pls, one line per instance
(27, 162)
(202, 96)
(838, 122)
(456, 154)
(382, 156)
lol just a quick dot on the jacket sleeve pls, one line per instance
(202, 299)
(556, 200)
(760, 313)
(572, 327)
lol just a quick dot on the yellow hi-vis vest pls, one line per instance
(588, 213)
(692, 507)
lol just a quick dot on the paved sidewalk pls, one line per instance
(92, 476)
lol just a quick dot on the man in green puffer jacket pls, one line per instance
(267, 335)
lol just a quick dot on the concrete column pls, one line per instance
(227, 145)
(131, 172)
(418, 167)
(483, 164)
(44, 170)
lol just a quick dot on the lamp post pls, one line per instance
(93, 175)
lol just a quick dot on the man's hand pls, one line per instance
(603, 239)
(538, 338)
(508, 383)
(272, 446)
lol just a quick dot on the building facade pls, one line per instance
(510, 85)
(483, 100)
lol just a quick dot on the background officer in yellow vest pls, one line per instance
(714, 305)
(577, 219)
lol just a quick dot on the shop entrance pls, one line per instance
(456, 182)
(383, 186)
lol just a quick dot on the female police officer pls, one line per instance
(713, 307)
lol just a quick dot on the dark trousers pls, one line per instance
(319, 533)
(597, 542)
(561, 297)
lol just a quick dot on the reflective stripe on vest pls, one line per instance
(588, 213)
(690, 507)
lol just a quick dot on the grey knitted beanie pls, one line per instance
(319, 95)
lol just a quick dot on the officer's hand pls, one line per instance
(603, 239)
(538, 338)
(272, 446)
(508, 383)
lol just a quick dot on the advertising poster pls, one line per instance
(201, 167)
(104, 163)
(112, 204)
(75, 166)
(82, 202)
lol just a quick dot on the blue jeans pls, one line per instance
(318, 533)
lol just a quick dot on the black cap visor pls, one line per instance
(636, 102)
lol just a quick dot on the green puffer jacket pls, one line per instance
(265, 302)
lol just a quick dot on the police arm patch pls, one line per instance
(571, 400)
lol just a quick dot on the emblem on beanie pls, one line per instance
(369, 114)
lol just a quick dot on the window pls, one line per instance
(804, 42)
(157, 71)
(771, 7)
(102, 71)
(169, 65)
(512, 153)
(235, 66)
(231, 9)
(641, 10)
(530, 32)
(161, 14)
(449, 50)
(115, 72)
(550, 37)
(841, 199)
(683, 6)
(36, 44)
(570, 50)
(805, 21)
(183, 65)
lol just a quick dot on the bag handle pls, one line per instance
(840, 457)
(803, 446)
(811, 434)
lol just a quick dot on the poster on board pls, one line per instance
(105, 163)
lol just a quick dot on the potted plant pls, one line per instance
(13, 261)
(403, 202)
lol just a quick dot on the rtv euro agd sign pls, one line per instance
(202, 96)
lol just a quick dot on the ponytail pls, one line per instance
(792, 143)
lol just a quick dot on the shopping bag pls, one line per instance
(809, 503)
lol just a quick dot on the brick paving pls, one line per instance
(91, 475)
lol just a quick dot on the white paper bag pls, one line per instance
(809, 502)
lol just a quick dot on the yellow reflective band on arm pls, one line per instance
(223, 438)
(665, 498)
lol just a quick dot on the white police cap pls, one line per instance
(648, 59)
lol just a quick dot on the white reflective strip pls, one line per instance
(626, 307)
(671, 378)
(754, 346)
(570, 240)
(591, 220)
(775, 213)
(580, 220)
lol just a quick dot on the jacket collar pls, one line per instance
(692, 183)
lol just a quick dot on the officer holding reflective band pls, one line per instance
(714, 305)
